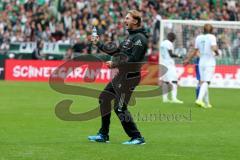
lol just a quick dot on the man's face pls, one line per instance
(129, 21)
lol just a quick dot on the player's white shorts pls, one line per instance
(171, 74)
(206, 73)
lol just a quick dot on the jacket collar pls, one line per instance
(133, 31)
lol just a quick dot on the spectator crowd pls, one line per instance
(71, 21)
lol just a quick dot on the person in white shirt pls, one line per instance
(170, 78)
(206, 47)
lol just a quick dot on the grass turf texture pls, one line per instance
(29, 128)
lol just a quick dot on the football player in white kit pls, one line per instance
(206, 47)
(169, 80)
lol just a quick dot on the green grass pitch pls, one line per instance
(30, 130)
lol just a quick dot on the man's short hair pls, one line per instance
(208, 28)
(136, 15)
(171, 36)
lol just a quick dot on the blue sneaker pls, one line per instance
(99, 138)
(135, 141)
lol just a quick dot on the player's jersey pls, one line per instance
(204, 44)
(165, 57)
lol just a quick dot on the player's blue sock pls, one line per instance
(197, 90)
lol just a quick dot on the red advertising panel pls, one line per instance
(71, 71)
(36, 70)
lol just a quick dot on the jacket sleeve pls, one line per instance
(109, 48)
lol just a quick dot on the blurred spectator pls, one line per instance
(236, 47)
(63, 22)
(80, 46)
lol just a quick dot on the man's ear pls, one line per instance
(135, 21)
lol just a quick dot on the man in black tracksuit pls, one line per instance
(127, 58)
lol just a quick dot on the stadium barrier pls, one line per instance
(26, 50)
(37, 70)
(226, 76)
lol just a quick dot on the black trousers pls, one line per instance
(116, 95)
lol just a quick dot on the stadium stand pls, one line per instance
(65, 25)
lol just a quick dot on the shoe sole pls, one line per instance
(135, 144)
(173, 102)
(177, 102)
(99, 141)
